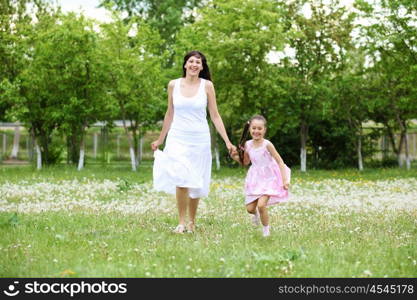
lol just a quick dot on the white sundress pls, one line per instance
(186, 159)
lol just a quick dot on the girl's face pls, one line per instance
(193, 66)
(257, 129)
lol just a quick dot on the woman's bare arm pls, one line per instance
(215, 116)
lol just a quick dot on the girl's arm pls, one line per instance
(215, 116)
(281, 164)
(169, 115)
(246, 159)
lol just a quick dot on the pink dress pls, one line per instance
(264, 175)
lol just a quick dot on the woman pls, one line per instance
(184, 167)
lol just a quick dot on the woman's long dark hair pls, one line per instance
(205, 73)
(245, 134)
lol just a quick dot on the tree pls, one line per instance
(236, 37)
(131, 52)
(352, 101)
(75, 58)
(391, 46)
(33, 92)
(319, 43)
(166, 16)
(14, 16)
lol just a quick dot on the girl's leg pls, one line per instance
(262, 201)
(182, 203)
(251, 208)
(264, 214)
(192, 211)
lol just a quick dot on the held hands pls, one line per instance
(234, 154)
(231, 148)
(155, 145)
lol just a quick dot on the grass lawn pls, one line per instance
(107, 222)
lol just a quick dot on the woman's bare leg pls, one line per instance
(192, 212)
(182, 203)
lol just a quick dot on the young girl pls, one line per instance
(268, 177)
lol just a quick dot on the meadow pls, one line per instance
(108, 222)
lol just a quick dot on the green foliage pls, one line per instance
(9, 94)
(332, 145)
(71, 51)
(37, 103)
(320, 42)
(63, 72)
(167, 17)
(391, 49)
(134, 75)
(14, 18)
(287, 142)
(236, 37)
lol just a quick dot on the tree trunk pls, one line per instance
(400, 148)
(43, 143)
(135, 140)
(74, 146)
(404, 141)
(359, 152)
(140, 151)
(216, 151)
(397, 150)
(303, 141)
(129, 136)
(16, 140)
(391, 138)
(131, 147)
(215, 144)
(132, 156)
(407, 154)
(82, 152)
(217, 156)
(359, 145)
(38, 156)
(403, 127)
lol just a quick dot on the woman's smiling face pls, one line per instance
(193, 66)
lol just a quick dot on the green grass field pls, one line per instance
(107, 222)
